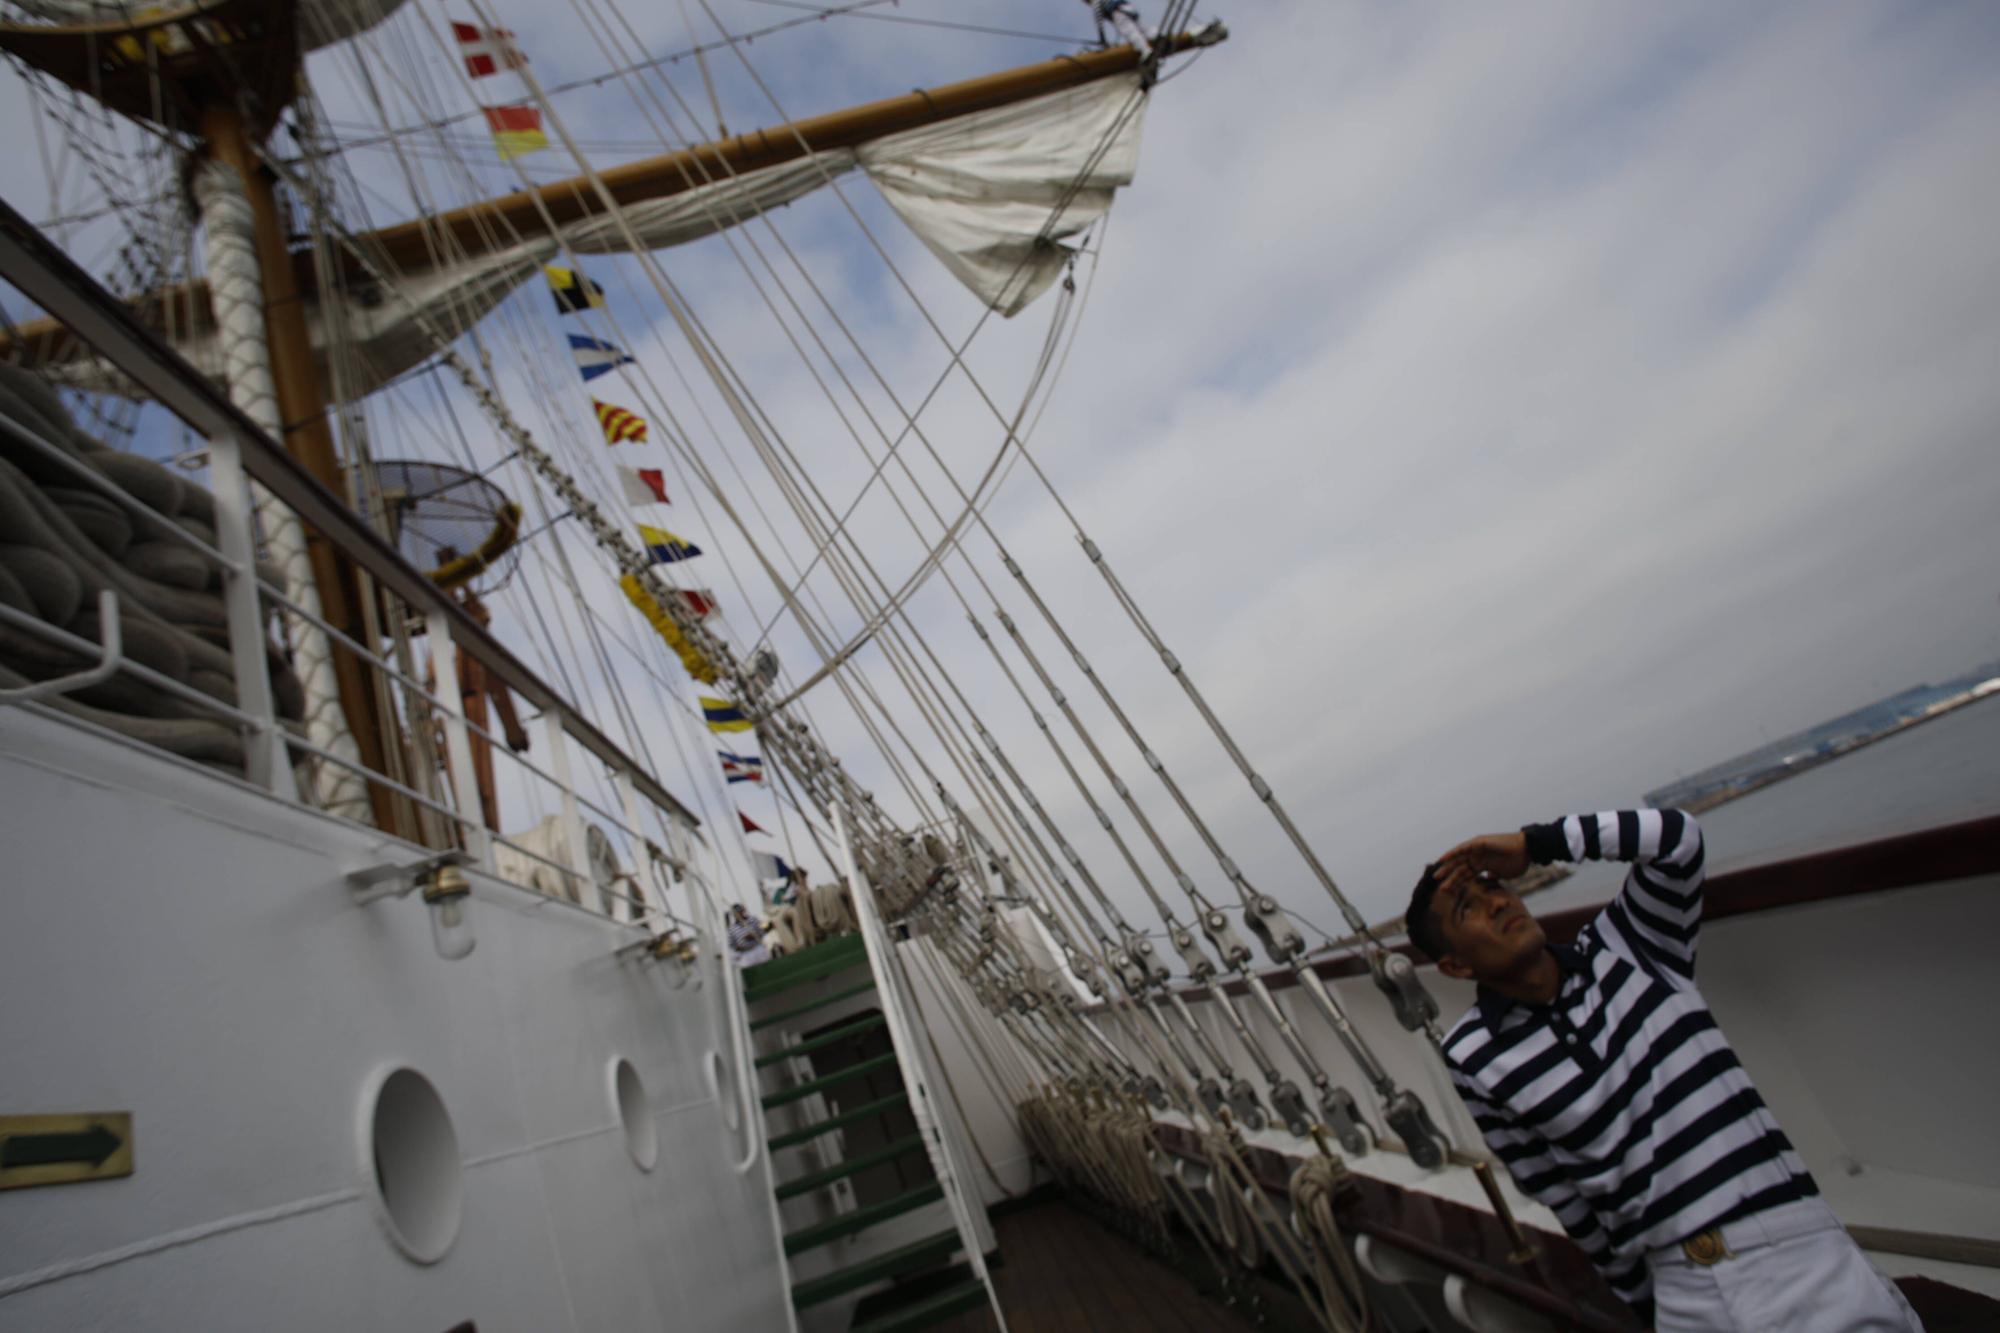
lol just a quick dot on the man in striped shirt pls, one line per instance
(1598, 1075)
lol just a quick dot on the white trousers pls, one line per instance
(758, 953)
(1793, 1267)
(1134, 35)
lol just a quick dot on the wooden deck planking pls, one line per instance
(1061, 1272)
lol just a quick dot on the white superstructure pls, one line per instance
(188, 949)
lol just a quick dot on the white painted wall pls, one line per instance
(179, 946)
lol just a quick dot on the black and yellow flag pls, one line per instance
(573, 291)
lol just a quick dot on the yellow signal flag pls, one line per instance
(657, 616)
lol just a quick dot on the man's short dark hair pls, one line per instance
(1421, 923)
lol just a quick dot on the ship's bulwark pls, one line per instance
(186, 949)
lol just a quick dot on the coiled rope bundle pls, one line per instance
(1235, 1225)
(64, 540)
(818, 914)
(1314, 1187)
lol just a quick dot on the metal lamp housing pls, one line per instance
(448, 896)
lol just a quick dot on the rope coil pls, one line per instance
(1314, 1187)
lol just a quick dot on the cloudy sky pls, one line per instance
(1500, 410)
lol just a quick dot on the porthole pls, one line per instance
(413, 1151)
(635, 1112)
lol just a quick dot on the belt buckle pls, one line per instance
(1706, 1248)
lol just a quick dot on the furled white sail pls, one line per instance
(983, 191)
(991, 193)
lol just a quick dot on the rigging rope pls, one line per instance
(723, 378)
(1314, 1187)
(238, 296)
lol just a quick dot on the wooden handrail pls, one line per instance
(1941, 1246)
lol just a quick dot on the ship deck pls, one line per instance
(1062, 1272)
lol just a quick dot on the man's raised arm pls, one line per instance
(1658, 911)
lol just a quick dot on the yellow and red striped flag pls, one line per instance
(619, 425)
(516, 129)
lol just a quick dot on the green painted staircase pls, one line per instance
(917, 1284)
(855, 1029)
(917, 1257)
(866, 1111)
(841, 1170)
(951, 1292)
(847, 1224)
(801, 1091)
(843, 953)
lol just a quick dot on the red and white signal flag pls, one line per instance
(487, 50)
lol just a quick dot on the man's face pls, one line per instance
(1488, 932)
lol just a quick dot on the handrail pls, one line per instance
(429, 695)
(49, 278)
(736, 1017)
(739, 1026)
(471, 823)
(951, 1172)
(419, 690)
(157, 524)
(110, 653)
(110, 649)
(1977, 1251)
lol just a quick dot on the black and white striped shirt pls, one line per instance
(1620, 1104)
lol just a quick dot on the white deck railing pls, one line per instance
(441, 804)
